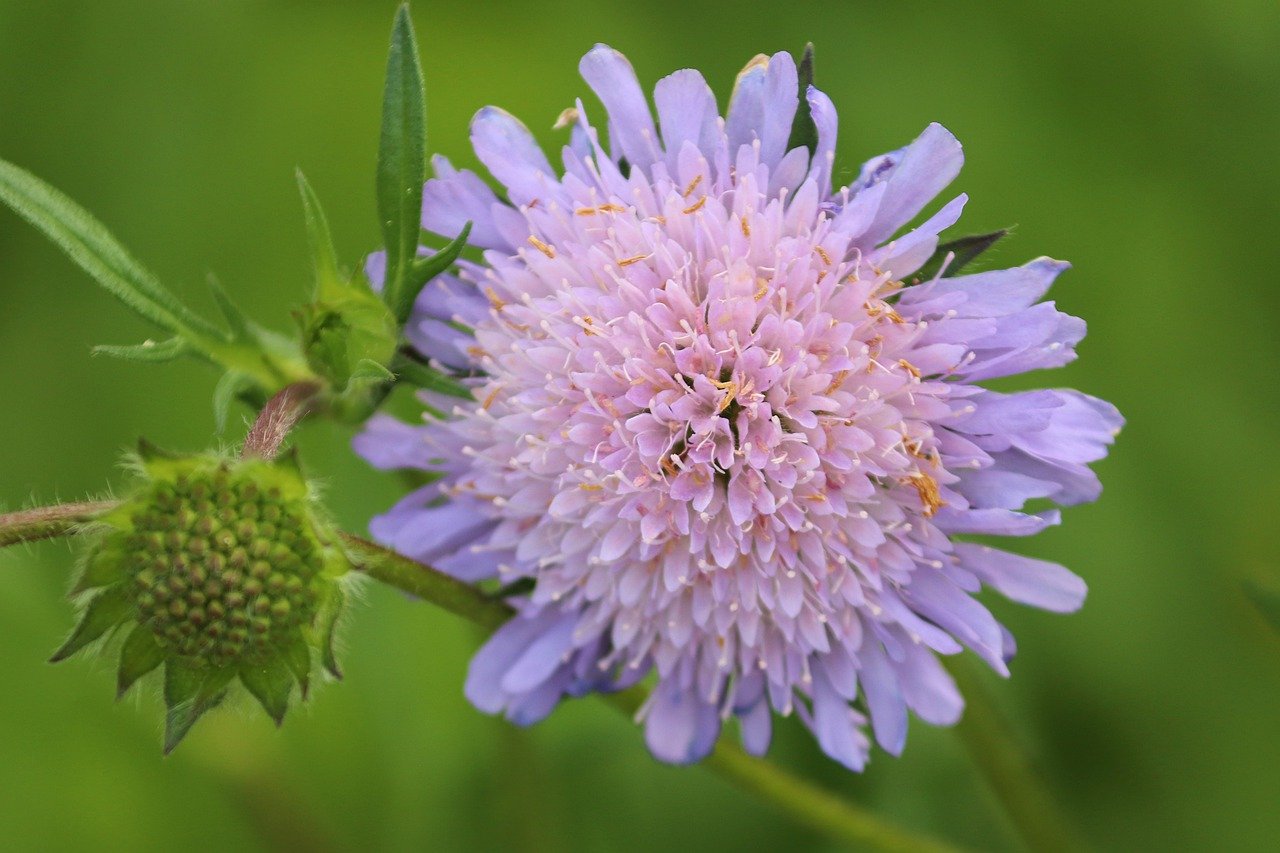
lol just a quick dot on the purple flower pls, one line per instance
(723, 429)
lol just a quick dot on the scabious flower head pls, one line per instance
(723, 429)
(221, 570)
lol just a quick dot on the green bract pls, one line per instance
(224, 571)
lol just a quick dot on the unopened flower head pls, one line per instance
(224, 570)
(724, 427)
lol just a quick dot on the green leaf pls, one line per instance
(369, 371)
(237, 323)
(91, 246)
(270, 683)
(327, 627)
(298, 657)
(140, 655)
(803, 129)
(102, 567)
(189, 694)
(401, 161)
(107, 610)
(423, 269)
(147, 351)
(424, 377)
(229, 387)
(319, 239)
(966, 249)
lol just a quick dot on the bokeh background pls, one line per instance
(1140, 141)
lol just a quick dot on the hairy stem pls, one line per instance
(46, 522)
(281, 414)
(803, 801)
(1010, 773)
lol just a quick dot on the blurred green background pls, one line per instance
(1139, 141)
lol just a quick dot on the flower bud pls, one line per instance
(225, 571)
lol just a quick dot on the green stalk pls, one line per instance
(1017, 784)
(801, 800)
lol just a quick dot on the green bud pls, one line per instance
(195, 562)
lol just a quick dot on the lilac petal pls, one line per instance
(490, 664)
(631, 130)
(542, 658)
(908, 253)
(835, 725)
(928, 688)
(679, 727)
(1080, 429)
(511, 154)
(763, 106)
(756, 728)
(1037, 583)
(939, 600)
(823, 113)
(927, 165)
(995, 522)
(989, 294)
(883, 696)
(424, 533)
(389, 444)
(455, 198)
(686, 113)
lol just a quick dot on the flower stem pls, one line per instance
(803, 801)
(46, 522)
(1011, 775)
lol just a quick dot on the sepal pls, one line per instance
(962, 252)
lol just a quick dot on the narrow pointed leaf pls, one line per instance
(423, 269)
(327, 627)
(424, 377)
(401, 159)
(140, 655)
(323, 257)
(148, 351)
(88, 243)
(101, 568)
(224, 393)
(270, 684)
(966, 249)
(188, 695)
(150, 452)
(298, 657)
(104, 612)
(368, 370)
(803, 130)
(237, 323)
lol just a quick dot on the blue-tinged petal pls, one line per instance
(883, 695)
(483, 687)
(425, 532)
(542, 657)
(679, 727)
(763, 106)
(612, 78)
(928, 688)
(927, 165)
(389, 444)
(994, 522)
(686, 113)
(908, 253)
(837, 726)
(939, 600)
(456, 197)
(511, 154)
(756, 728)
(987, 294)
(1037, 583)
(823, 113)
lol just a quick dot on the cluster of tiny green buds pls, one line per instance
(225, 571)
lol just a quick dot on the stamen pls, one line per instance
(542, 247)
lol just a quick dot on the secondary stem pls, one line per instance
(803, 801)
(1016, 782)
